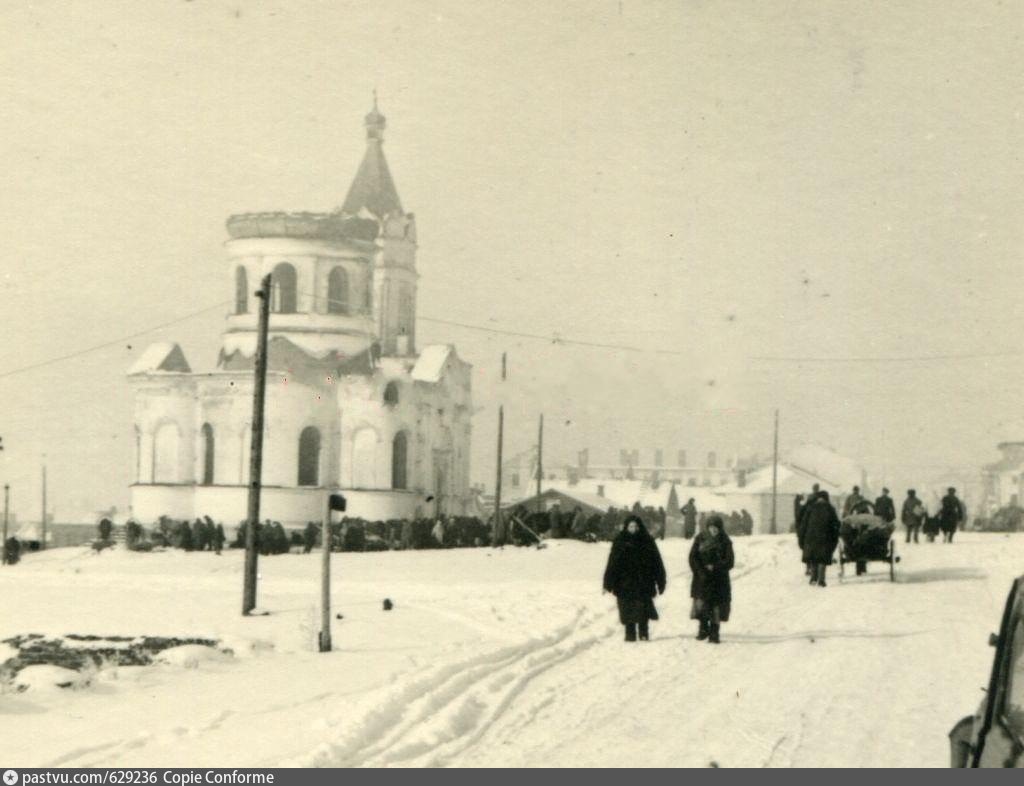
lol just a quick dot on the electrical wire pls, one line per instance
(113, 342)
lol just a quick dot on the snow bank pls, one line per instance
(43, 677)
(190, 656)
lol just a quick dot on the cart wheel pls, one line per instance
(892, 562)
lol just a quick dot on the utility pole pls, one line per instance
(325, 578)
(775, 476)
(42, 534)
(256, 451)
(499, 530)
(7, 505)
(540, 461)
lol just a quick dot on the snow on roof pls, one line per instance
(790, 480)
(571, 494)
(29, 531)
(620, 493)
(704, 497)
(431, 362)
(826, 464)
(162, 356)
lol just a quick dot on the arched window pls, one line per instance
(165, 454)
(399, 451)
(241, 291)
(284, 286)
(208, 446)
(309, 457)
(337, 291)
(391, 394)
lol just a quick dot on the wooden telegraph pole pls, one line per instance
(775, 476)
(325, 578)
(256, 451)
(42, 525)
(540, 461)
(499, 531)
(7, 505)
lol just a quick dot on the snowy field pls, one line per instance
(509, 658)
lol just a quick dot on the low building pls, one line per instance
(1002, 479)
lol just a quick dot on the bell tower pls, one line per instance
(373, 195)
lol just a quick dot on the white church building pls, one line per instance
(351, 405)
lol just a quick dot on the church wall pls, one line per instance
(310, 327)
(162, 399)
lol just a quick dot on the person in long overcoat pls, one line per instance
(711, 559)
(689, 511)
(885, 508)
(951, 514)
(635, 574)
(913, 515)
(821, 536)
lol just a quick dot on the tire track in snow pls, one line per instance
(450, 704)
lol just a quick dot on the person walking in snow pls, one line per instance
(951, 513)
(635, 574)
(801, 526)
(711, 559)
(912, 515)
(884, 507)
(689, 511)
(821, 536)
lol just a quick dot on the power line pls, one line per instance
(881, 359)
(111, 343)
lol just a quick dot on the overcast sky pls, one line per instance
(728, 181)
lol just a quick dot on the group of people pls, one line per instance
(741, 523)
(635, 574)
(818, 525)
(949, 519)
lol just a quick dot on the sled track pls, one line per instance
(438, 713)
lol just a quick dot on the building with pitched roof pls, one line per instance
(351, 405)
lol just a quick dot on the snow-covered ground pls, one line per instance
(508, 658)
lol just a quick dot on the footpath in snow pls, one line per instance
(507, 658)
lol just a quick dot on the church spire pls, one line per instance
(373, 187)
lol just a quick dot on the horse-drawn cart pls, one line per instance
(864, 538)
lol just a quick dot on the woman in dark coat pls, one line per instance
(635, 574)
(711, 559)
(821, 536)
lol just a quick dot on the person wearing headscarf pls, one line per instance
(711, 559)
(635, 574)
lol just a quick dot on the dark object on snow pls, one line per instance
(105, 529)
(388, 605)
(339, 616)
(635, 574)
